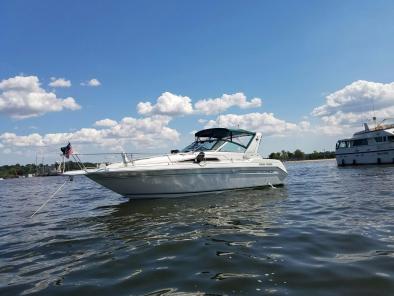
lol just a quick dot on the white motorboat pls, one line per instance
(219, 159)
(370, 146)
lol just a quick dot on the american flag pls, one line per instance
(67, 150)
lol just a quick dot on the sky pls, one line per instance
(143, 76)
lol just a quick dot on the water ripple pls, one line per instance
(329, 231)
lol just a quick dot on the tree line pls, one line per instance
(17, 170)
(300, 155)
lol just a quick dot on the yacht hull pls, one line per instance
(140, 184)
(385, 156)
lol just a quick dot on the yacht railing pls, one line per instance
(102, 160)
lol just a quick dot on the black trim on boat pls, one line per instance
(205, 159)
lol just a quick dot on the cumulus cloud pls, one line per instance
(266, 123)
(219, 105)
(167, 104)
(146, 132)
(331, 130)
(149, 132)
(22, 97)
(59, 82)
(106, 122)
(355, 103)
(92, 82)
(304, 125)
(176, 105)
(21, 141)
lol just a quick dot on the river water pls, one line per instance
(328, 231)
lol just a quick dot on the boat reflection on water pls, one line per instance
(239, 212)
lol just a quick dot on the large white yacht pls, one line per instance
(219, 159)
(370, 146)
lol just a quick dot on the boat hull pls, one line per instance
(366, 157)
(187, 182)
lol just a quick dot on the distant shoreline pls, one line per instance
(298, 155)
(310, 160)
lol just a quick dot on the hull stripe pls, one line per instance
(118, 175)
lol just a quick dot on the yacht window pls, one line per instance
(232, 147)
(379, 139)
(390, 138)
(360, 142)
(343, 144)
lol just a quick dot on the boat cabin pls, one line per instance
(372, 140)
(224, 140)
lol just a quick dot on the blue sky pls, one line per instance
(290, 54)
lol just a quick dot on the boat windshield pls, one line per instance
(220, 138)
(343, 144)
(204, 145)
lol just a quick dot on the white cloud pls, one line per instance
(106, 122)
(21, 141)
(22, 97)
(331, 130)
(219, 105)
(305, 125)
(92, 82)
(7, 151)
(144, 108)
(355, 103)
(149, 132)
(176, 105)
(266, 123)
(346, 109)
(167, 104)
(59, 82)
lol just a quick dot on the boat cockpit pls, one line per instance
(221, 140)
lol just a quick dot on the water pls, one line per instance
(329, 231)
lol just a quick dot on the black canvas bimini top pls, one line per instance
(221, 133)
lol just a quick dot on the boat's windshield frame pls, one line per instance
(200, 145)
(218, 143)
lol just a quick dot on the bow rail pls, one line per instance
(102, 159)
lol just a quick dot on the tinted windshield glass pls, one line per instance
(232, 147)
(203, 145)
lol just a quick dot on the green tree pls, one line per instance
(299, 155)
